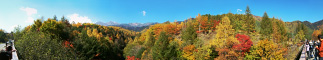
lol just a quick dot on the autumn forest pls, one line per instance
(226, 36)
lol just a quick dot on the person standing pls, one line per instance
(307, 45)
(320, 49)
(311, 48)
(316, 51)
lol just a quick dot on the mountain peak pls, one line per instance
(112, 23)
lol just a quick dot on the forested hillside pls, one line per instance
(226, 36)
(58, 39)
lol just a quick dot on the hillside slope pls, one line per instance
(130, 26)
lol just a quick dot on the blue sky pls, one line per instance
(23, 12)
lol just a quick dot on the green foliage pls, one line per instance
(92, 48)
(38, 23)
(52, 27)
(188, 34)
(3, 36)
(133, 49)
(86, 46)
(150, 39)
(85, 41)
(299, 36)
(250, 21)
(141, 50)
(54, 18)
(307, 31)
(161, 50)
(40, 46)
(203, 51)
(17, 33)
(308, 34)
(237, 21)
(266, 25)
(279, 31)
(300, 27)
(172, 52)
(258, 28)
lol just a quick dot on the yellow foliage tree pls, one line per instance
(224, 32)
(266, 50)
(279, 31)
(224, 40)
(203, 52)
(227, 52)
(299, 36)
(94, 33)
(276, 34)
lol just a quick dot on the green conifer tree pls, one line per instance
(266, 25)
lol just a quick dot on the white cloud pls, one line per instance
(30, 12)
(144, 13)
(239, 10)
(81, 19)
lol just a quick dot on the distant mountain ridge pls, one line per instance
(313, 25)
(130, 26)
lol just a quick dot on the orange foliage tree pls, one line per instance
(203, 23)
(188, 52)
(316, 33)
(214, 23)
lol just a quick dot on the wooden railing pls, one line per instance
(299, 53)
(14, 54)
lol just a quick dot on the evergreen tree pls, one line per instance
(189, 34)
(266, 25)
(63, 19)
(248, 12)
(171, 53)
(300, 27)
(160, 47)
(250, 21)
(55, 18)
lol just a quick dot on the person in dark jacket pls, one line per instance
(311, 48)
(307, 45)
(4, 55)
(316, 51)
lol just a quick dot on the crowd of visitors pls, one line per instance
(314, 49)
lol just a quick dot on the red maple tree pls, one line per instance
(132, 58)
(245, 44)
